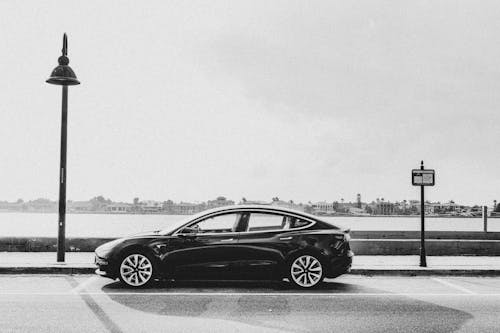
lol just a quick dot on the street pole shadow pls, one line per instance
(246, 303)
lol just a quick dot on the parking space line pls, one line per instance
(454, 286)
(98, 311)
(84, 284)
(100, 314)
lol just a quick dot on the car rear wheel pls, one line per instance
(306, 271)
(136, 270)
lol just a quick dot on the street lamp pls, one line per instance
(63, 76)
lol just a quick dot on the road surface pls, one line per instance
(87, 303)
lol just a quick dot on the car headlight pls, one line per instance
(103, 250)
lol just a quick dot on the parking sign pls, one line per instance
(424, 177)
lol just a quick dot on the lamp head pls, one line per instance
(63, 75)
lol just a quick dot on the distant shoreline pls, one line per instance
(160, 213)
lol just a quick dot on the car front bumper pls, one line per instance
(104, 268)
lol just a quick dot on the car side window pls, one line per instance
(264, 222)
(216, 224)
(297, 223)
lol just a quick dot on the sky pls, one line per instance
(304, 100)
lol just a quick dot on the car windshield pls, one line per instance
(175, 225)
(180, 222)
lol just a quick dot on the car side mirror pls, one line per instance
(188, 231)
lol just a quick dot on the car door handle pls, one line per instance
(227, 240)
(286, 238)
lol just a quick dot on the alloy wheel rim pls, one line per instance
(136, 270)
(306, 271)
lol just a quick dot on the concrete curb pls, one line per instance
(69, 270)
(424, 272)
(48, 270)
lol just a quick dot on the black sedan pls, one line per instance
(235, 242)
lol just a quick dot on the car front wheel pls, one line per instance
(306, 271)
(136, 270)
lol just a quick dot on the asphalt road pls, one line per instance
(86, 303)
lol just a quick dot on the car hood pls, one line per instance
(106, 248)
(144, 233)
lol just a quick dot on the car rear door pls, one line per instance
(265, 243)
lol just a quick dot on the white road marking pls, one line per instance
(454, 286)
(20, 293)
(84, 284)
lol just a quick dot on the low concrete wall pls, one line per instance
(433, 247)
(389, 234)
(49, 244)
(438, 243)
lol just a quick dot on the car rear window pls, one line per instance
(263, 221)
(298, 223)
(268, 221)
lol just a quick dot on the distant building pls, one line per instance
(383, 208)
(12, 206)
(80, 206)
(288, 204)
(41, 205)
(119, 207)
(445, 208)
(219, 202)
(438, 208)
(150, 206)
(357, 211)
(430, 208)
(402, 208)
(186, 208)
(323, 207)
(414, 203)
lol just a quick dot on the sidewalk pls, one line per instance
(82, 263)
(436, 265)
(46, 263)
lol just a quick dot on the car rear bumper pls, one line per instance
(340, 265)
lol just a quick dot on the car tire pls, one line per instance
(306, 271)
(136, 269)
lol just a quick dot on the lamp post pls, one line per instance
(63, 76)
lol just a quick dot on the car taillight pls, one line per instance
(338, 240)
(341, 242)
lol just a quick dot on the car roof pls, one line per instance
(257, 207)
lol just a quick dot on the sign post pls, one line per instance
(422, 177)
(485, 218)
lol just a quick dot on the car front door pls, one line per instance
(206, 248)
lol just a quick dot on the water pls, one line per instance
(110, 225)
